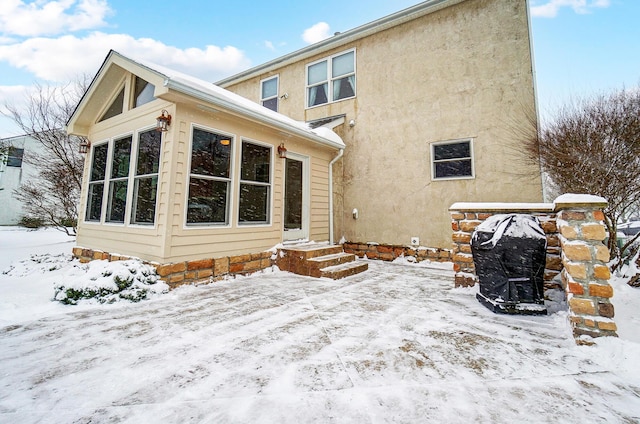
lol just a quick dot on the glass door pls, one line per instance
(296, 204)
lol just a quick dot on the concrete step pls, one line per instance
(320, 262)
(311, 251)
(337, 272)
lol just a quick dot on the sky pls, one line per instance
(581, 47)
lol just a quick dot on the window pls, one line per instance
(255, 184)
(14, 157)
(143, 92)
(145, 181)
(119, 181)
(209, 178)
(452, 160)
(331, 79)
(115, 108)
(96, 182)
(269, 93)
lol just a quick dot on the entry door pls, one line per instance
(296, 198)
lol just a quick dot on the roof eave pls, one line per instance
(225, 104)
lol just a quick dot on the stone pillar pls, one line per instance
(585, 276)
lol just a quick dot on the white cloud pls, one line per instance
(51, 17)
(317, 32)
(269, 45)
(550, 8)
(63, 58)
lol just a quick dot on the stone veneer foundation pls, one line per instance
(575, 230)
(192, 272)
(388, 252)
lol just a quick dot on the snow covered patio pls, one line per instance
(395, 344)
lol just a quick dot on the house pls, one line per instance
(225, 176)
(14, 172)
(367, 137)
(431, 102)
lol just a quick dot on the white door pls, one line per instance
(296, 197)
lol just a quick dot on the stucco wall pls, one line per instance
(461, 72)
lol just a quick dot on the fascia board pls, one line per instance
(341, 39)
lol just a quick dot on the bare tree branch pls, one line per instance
(54, 197)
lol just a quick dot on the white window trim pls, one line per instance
(132, 179)
(277, 97)
(232, 165)
(472, 157)
(269, 222)
(101, 221)
(304, 232)
(108, 179)
(329, 79)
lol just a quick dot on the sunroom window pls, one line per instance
(255, 184)
(115, 108)
(119, 180)
(143, 92)
(145, 182)
(269, 93)
(209, 179)
(96, 182)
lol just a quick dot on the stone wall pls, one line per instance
(575, 230)
(388, 252)
(465, 217)
(189, 272)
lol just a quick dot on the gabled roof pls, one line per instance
(205, 93)
(342, 38)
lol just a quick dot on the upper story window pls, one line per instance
(269, 93)
(452, 159)
(14, 157)
(209, 178)
(331, 79)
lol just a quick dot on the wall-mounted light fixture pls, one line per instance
(84, 146)
(285, 96)
(282, 151)
(163, 121)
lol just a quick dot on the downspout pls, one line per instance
(334, 160)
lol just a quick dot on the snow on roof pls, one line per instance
(216, 95)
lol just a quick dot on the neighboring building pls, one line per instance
(430, 102)
(215, 184)
(14, 171)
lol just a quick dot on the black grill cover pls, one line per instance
(509, 254)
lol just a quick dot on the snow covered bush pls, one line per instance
(109, 282)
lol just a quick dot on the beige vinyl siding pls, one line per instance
(170, 239)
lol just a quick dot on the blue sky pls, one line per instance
(580, 46)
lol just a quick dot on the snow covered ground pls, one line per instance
(395, 344)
